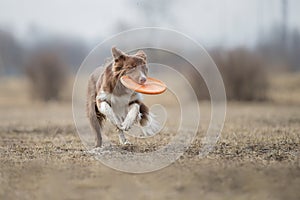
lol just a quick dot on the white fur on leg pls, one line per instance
(108, 112)
(152, 127)
(131, 117)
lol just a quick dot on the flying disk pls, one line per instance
(151, 86)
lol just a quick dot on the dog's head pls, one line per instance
(134, 66)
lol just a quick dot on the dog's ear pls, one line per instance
(141, 54)
(117, 54)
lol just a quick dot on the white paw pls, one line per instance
(131, 117)
(116, 122)
(127, 124)
(124, 141)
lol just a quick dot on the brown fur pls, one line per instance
(108, 82)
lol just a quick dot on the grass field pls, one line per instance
(42, 157)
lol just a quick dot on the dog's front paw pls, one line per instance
(126, 143)
(126, 125)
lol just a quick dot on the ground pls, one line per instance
(257, 157)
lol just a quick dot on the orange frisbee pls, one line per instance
(151, 86)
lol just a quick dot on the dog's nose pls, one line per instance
(142, 80)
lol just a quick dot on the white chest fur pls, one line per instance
(120, 104)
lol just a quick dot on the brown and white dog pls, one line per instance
(108, 98)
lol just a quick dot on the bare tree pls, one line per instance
(10, 54)
(47, 75)
(243, 73)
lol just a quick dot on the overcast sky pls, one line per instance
(211, 22)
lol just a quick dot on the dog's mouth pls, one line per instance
(137, 76)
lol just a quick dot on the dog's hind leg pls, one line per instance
(93, 114)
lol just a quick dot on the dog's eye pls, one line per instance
(130, 67)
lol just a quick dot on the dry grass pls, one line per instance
(257, 157)
(285, 88)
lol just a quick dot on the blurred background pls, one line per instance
(255, 44)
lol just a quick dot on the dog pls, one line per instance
(108, 98)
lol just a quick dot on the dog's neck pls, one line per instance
(120, 89)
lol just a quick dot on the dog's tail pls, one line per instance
(95, 117)
(150, 126)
